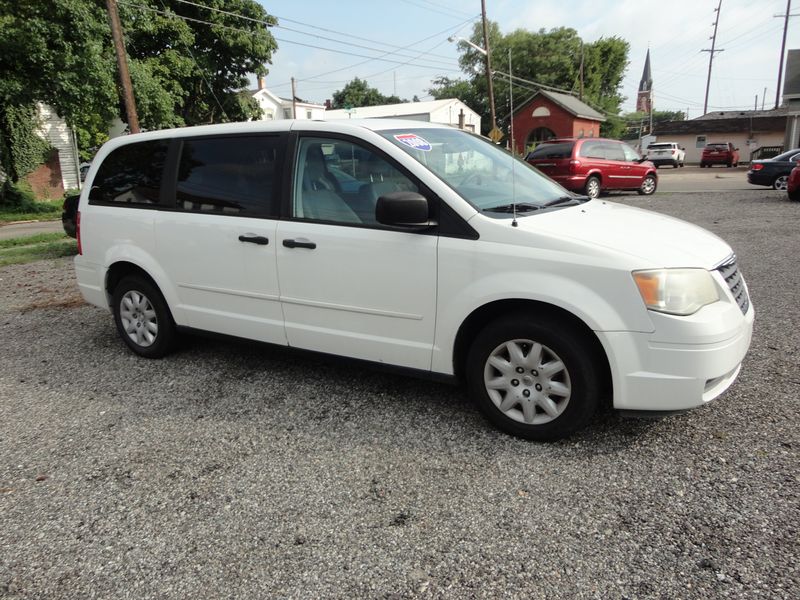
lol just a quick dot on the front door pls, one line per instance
(350, 286)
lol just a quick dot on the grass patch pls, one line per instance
(30, 240)
(47, 211)
(36, 247)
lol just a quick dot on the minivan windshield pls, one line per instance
(486, 176)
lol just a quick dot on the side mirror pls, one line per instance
(403, 209)
(684, 149)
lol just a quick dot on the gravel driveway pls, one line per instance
(238, 471)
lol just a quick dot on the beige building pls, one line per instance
(748, 130)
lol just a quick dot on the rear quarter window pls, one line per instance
(558, 150)
(131, 175)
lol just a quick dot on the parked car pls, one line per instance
(84, 169)
(666, 153)
(720, 154)
(453, 259)
(774, 172)
(793, 185)
(592, 165)
(69, 214)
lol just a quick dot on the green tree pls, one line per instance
(358, 93)
(183, 72)
(550, 58)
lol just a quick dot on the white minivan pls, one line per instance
(418, 246)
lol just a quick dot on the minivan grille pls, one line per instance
(733, 277)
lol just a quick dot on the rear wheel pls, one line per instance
(533, 378)
(703, 165)
(648, 186)
(142, 317)
(794, 195)
(592, 187)
(675, 165)
(781, 182)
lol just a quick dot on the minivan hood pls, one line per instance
(656, 239)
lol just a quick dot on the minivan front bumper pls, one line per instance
(652, 375)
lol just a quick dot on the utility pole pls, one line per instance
(294, 101)
(122, 63)
(763, 97)
(580, 94)
(488, 66)
(783, 49)
(711, 54)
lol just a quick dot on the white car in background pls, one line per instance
(666, 153)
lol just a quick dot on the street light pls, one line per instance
(488, 63)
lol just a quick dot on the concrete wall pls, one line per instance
(694, 148)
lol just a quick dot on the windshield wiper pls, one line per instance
(509, 208)
(565, 200)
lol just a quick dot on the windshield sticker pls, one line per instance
(414, 141)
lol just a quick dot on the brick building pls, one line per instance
(547, 115)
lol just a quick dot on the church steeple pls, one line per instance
(644, 99)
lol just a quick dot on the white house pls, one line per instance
(448, 112)
(54, 129)
(274, 108)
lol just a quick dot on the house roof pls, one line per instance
(568, 102)
(396, 110)
(738, 114)
(732, 124)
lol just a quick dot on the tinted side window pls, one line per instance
(613, 151)
(557, 150)
(630, 154)
(131, 174)
(593, 150)
(235, 175)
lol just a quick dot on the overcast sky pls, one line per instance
(413, 34)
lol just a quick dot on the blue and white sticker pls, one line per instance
(414, 141)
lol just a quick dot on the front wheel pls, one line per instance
(592, 187)
(794, 195)
(142, 317)
(533, 378)
(781, 183)
(648, 186)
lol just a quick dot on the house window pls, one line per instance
(580, 133)
(591, 132)
(269, 115)
(287, 113)
(308, 115)
(700, 141)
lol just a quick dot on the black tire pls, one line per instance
(795, 195)
(139, 322)
(729, 165)
(702, 165)
(648, 186)
(560, 344)
(592, 187)
(675, 165)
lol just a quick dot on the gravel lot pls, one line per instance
(231, 470)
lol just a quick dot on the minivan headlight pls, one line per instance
(676, 291)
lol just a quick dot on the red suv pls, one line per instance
(720, 154)
(589, 165)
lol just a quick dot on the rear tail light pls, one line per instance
(573, 165)
(78, 231)
(673, 151)
(757, 167)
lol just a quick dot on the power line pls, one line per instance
(231, 28)
(268, 23)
